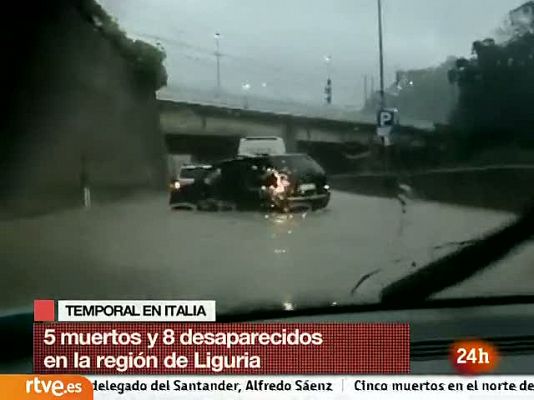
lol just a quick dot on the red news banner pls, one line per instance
(214, 348)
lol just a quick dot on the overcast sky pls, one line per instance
(282, 43)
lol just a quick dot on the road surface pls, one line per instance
(140, 249)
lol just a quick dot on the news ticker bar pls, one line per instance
(135, 337)
(217, 349)
(29, 387)
(124, 311)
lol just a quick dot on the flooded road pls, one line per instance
(140, 249)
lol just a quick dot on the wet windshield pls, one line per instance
(410, 142)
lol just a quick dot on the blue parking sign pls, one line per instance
(385, 121)
(386, 118)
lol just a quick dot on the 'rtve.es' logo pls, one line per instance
(51, 386)
(472, 357)
(45, 387)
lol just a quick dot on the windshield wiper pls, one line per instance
(460, 265)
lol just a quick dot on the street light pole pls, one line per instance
(246, 87)
(381, 55)
(328, 60)
(218, 57)
(365, 89)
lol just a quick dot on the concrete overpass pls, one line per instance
(210, 132)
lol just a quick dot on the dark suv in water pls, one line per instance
(281, 182)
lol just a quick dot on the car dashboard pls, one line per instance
(509, 327)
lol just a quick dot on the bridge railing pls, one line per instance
(278, 106)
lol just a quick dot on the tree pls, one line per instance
(497, 85)
(145, 59)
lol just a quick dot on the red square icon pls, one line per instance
(44, 310)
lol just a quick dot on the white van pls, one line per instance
(261, 145)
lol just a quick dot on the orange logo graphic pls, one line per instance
(45, 387)
(472, 357)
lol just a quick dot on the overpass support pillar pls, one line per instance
(290, 136)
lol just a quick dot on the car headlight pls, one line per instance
(326, 187)
(175, 185)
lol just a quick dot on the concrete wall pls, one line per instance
(186, 121)
(189, 119)
(309, 133)
(72, 99)
(500, 188)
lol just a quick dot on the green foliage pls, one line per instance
(145, 59)
(497, 86)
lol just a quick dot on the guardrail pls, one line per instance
(501, 187)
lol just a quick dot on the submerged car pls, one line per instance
(189, 173)
(280, 182)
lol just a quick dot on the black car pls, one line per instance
(188, 174)
(190, 187)
(281, 182)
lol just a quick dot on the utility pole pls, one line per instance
(365, 89)
(218, 57)
(386, 141)
(84, 182)
(381, 55)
